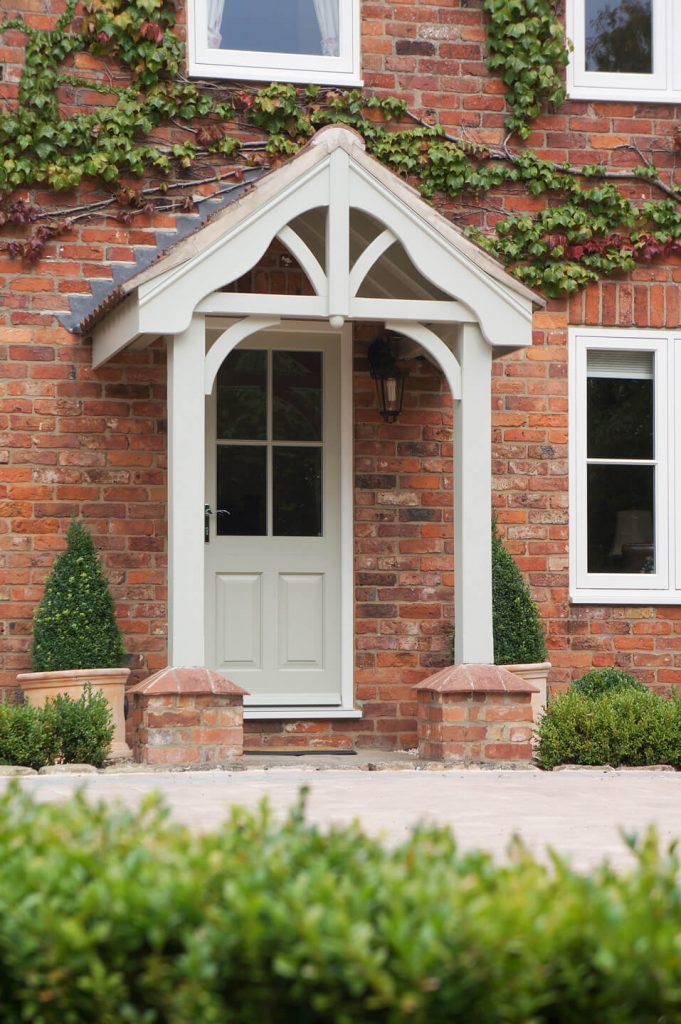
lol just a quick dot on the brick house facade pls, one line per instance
(78, 441)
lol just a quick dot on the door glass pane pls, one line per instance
(619, 418)
(242, 490)
(297, 396)
(620, 515)
(619, 36)
(276, 26)
(242, 396)
(297, 491)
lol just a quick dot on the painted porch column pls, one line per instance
(186, 494)
(338, 239)
(472, 501)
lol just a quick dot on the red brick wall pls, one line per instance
(531, 485)
(74, 442)
(78, 442)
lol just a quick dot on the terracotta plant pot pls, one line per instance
(537, 673)
(38, 686)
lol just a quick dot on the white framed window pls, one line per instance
(625, 493)
(625, 496)
(310, 41)
(625, 50)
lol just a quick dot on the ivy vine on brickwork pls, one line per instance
(587, 230)
(526, 45)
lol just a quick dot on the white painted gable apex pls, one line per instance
(333, 172)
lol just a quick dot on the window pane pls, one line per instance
(620, 518)
(297, 492)
(242, 396)
(619, 416)
(619, 36)
(276, 26)
(297, 396)
(242, 491)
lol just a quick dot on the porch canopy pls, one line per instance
(372, 250)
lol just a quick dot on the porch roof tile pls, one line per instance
(87, 309)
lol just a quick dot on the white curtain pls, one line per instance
(215, 9)
(327, 18)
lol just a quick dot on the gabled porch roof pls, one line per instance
(371, 247)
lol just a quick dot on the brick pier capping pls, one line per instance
(475, 714)
(184, 716)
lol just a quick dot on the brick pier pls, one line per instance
(186, 716)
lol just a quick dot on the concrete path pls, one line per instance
(578, 813)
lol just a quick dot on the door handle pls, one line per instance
(207, 513)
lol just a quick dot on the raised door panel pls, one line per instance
(301, 621)
(239, 608)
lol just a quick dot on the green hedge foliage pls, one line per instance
(65, 730)
(114, 917)
(518, 632)
(626, 726)
(26, 736)
(74, 625)
(603, 680)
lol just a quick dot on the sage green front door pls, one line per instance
(273, 490)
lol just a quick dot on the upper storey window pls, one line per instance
(314, 41)
(625, 50)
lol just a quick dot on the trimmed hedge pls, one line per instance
(518, 632)
(517, 629)
(74, 625)
(84, 727)
(114, 917)
(625, 726)
(603, 680)
(26, 736)
(66, 730)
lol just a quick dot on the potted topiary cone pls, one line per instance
(519, 643)
(75, 636)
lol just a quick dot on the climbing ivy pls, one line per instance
(587, 229)
(526, 44)
(40, 147)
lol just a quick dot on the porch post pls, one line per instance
(186, 494)
(472, 501)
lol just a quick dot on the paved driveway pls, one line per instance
(578, 813)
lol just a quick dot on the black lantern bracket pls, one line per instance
(389, 377)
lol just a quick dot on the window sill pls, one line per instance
(604, 94)
(625, 597)
(263, 714)
(243, 73)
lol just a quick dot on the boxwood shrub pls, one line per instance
(602, 680)
(119, 917)
(518, 633)
(83, 727)
(74, 626)
(26, 736)
(621, 726)
(66, 730)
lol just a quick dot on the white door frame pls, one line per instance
(185, 646)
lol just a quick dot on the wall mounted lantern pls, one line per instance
(388, 375)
